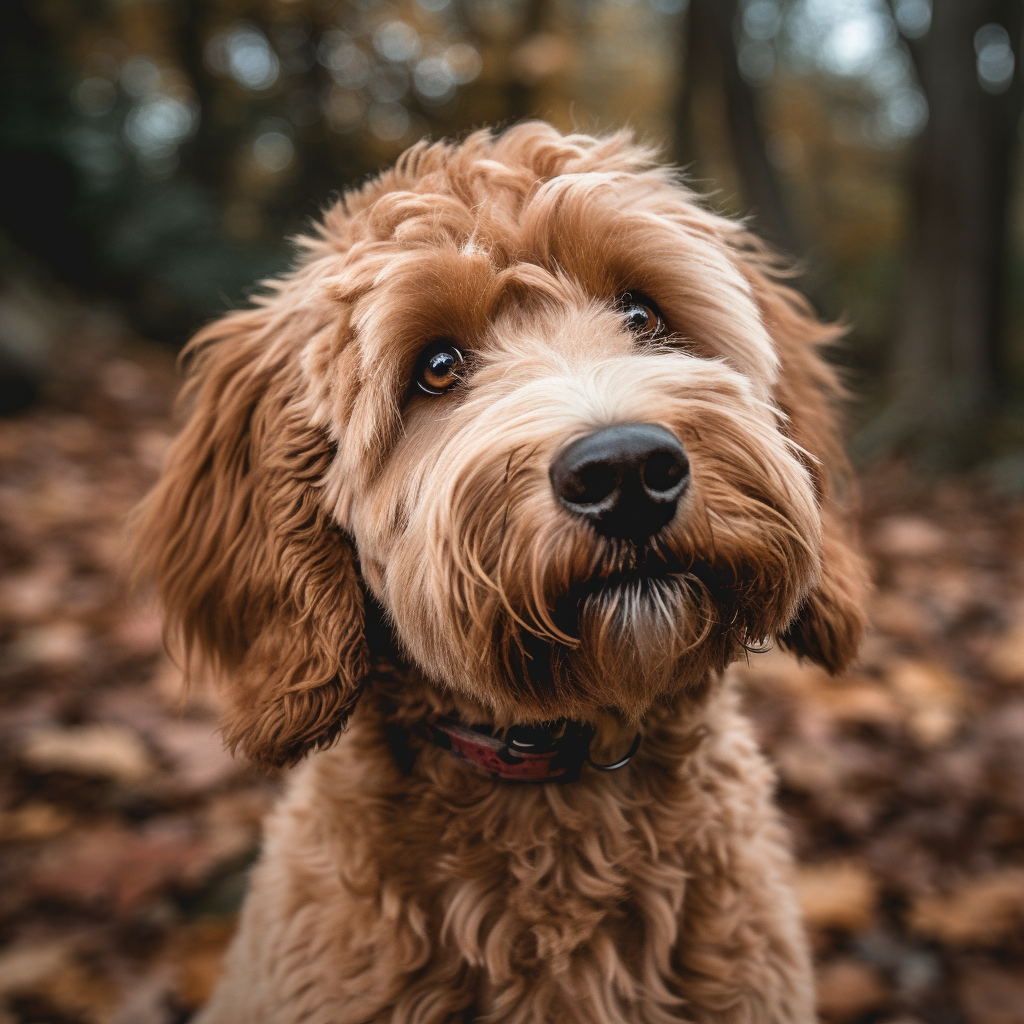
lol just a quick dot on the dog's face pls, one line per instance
(575, 441)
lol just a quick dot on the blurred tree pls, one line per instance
(520, 99)
(948, 369)
(161, 152)
(173, 146)
(709, 63)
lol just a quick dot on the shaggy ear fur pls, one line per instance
(830, 623)
(257, 582)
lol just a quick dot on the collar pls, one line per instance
(549, 752)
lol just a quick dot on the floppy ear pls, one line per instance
(257, 581)
(830, 623)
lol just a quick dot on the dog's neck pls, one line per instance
(412, 697)
(401, 708)
(412, 706)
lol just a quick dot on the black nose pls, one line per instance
(625, 480)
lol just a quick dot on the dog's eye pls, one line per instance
(641, 315)
(439, 368)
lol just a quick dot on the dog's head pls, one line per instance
(559, 420)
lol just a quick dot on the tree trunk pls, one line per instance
(709, 55)
(947, 360)
(521, 91)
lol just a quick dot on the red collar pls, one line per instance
(551, 752)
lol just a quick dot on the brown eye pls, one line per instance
(439, 368)
(641, 315)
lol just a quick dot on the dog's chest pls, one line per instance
(496, 896)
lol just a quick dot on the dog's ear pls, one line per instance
(257, 582)
(830, 622)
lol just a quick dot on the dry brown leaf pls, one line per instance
(198, 953)
(141, 631)
(34, 820)
(849, 699)
(1006, 657)
(847, 989)
(34, 594)
(148, 999)
(900, 616)
(56, 645)
(809, 766)
(859, 701)
(49, 972)
(106, 751)
(25, 967)
(908, 536)
(982, 911)
(778, 670)
(840, 894)
(117, 868)
(932, 698)
(992, 996)
(198, 752)
(82, 994)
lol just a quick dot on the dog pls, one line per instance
(470, 514)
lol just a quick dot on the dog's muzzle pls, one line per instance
(626, 481)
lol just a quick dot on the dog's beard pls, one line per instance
(540, 618)
(641, 625)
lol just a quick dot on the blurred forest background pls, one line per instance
(157, 155)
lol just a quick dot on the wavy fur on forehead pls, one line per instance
(297, 407)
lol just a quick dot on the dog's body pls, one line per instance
(554, 428)
(656, 894)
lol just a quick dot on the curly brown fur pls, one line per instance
(312, 473)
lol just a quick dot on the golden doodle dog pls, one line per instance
(478, 503)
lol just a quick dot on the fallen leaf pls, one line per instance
(123, 380)
(848, 699)
(858, 701)
(908, 536)
(120, 868)
(148, 999)
(33, 820)
(992, 996)
(58, 645)
(26, 967)
(140, 632)
(196, 696)
(847, 989)
(197, 953)
(31, 595)
(809, 766)
(840, 894)
(1006, 656)
(932, 698)
(982, 911)
(106, 751)
(197, 751)
(901, 617)
(83, 994)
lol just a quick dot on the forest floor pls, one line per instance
(126, 831)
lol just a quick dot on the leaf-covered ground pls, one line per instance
(126, 832)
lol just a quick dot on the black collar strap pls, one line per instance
(551, 752)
